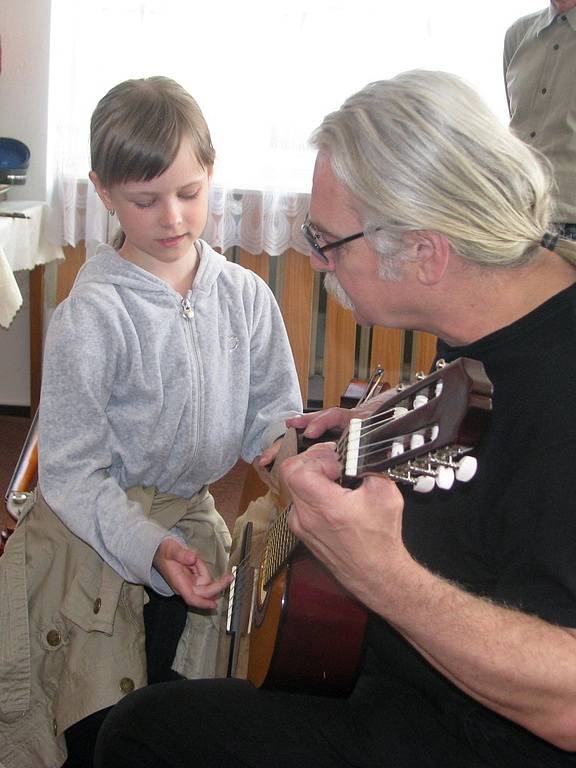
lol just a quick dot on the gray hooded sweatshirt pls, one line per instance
(143, 388)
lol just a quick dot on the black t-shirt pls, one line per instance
(510, 533)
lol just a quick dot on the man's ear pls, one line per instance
(432, 256)
(102, 191)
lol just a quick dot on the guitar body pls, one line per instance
(307, 632)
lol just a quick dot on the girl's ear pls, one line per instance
(102, 191)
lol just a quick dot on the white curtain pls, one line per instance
(264, 72)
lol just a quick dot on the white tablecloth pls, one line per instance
(23, 245)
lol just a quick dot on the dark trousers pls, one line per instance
(230, 724)
(386, 723)
(164, 620)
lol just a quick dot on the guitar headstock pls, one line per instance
(422, 433)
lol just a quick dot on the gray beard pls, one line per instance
(334, 288)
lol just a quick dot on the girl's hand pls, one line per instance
(188, 575)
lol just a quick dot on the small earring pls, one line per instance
(111, 211)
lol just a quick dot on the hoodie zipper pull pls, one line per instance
(187, 310)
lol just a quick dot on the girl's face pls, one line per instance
(163, 217)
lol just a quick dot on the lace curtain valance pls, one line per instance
(257, 221)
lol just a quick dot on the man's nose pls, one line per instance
(318, 264)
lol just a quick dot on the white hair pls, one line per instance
(423, 152)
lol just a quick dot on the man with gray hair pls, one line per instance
(425, 213)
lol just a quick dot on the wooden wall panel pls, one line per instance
(36, 288)
(339, 351)
(66, 275)
(423, 351)
(258, 264)
(296, 305)
(388, 351)
(68, 269)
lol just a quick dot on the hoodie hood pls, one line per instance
(107, 266)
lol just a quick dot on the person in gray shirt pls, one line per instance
(539, 56)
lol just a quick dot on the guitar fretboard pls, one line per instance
(280, 544)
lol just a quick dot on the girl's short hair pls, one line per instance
(423, 152)
(138, 126)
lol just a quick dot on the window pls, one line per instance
(264, 72)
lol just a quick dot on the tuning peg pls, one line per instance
(424, 484)
(420, 400)
(445, 478)
(466, 468)
(416, 440)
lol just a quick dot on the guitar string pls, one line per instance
(275, 532)
(376, 448)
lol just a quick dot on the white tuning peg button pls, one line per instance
(424, 484)
(466, 469)
(416, 441)
(445, 478)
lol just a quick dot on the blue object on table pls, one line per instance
(14, 159)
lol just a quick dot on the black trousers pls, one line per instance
(164, 620)
(229, 723)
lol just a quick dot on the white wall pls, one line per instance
(25, 36)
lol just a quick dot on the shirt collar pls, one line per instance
(571, 15)
(547, 17)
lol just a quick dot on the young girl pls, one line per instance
(163, 366)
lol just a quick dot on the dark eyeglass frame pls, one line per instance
(312, 235)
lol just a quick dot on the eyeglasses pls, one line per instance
(312, 235)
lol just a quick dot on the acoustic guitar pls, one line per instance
(306, 632)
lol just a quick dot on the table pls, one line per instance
(24, 245)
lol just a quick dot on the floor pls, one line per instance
(13, 430)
